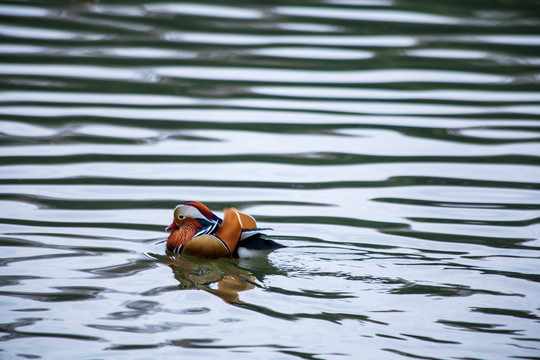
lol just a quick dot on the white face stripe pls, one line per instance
(188, 211)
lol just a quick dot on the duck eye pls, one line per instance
(181, 216)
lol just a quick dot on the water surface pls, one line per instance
(393, 146)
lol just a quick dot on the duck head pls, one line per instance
(189, 211)
(188, 219)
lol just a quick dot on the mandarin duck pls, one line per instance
(197, 231)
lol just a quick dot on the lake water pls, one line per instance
(393, 146)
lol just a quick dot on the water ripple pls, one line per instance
(392, 146)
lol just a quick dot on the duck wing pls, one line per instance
(231, 228)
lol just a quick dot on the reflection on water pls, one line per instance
(391, 145)
(220, 277)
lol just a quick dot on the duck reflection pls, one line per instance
(220, 277)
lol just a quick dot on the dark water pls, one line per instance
(392, 145)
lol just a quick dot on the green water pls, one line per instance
(393, 146)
